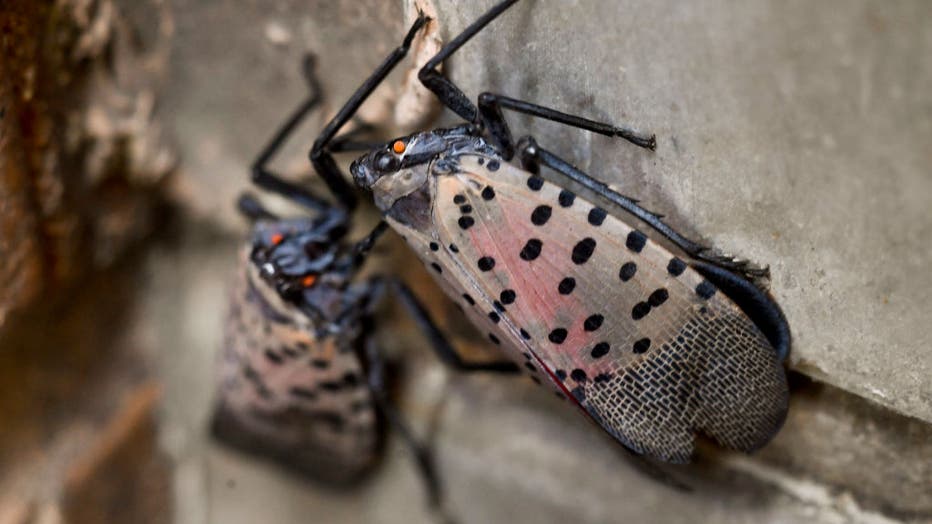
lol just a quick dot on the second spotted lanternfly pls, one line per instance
(653, 336)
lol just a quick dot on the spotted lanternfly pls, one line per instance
(655, 337)
(301, 378)
(293, 378)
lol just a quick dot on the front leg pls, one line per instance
(445, 90)
(320, 153)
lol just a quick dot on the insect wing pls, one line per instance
(288, 394)
(643, 343)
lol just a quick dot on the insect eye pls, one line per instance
(386, 162)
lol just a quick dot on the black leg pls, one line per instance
(251, 208)
(320, 155)
(450, 95)
(439, 343)
(266, 179)
(341, 146)
(526, 155)
(532, 152)
(362, 247)
(422, 454)
(490, 110)
(346, 141)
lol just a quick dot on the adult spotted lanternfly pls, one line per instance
(301, 378)
(655, 337)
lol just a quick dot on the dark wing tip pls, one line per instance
(720, 378)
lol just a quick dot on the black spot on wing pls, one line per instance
(676, 267)
(658, 297)
(531, 249)
(602, 377)
(627, 271)
(593, 322)
(486, 263)
(641, 346)
(557, 336)
(636, 241)
(596, 216)
(541, 215)
(350, 379)
(583, 250)
(705, 290)
(302, 393)
(600, 350)
(640, 310)
(566, 198)
(567, 285)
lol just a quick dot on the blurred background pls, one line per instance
(797, 134)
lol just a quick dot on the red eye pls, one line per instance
(398, 147)
(277, 239)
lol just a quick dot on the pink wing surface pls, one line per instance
(652, 351)
(285, 393)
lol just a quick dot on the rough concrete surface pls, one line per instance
(797, 134)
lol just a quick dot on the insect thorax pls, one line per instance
(405, 194)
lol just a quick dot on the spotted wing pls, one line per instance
(651, 350)
(287, 394)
